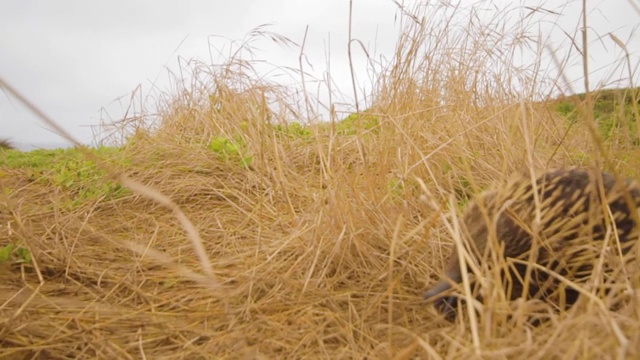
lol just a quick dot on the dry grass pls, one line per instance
(323, 245)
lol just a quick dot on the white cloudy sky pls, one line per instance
(74, 57)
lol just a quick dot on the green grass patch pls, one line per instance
(231, 150)
(11, 254)
(614, 112)
(294, 130)
(70, 171)
(354, 122)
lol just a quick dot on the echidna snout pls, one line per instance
(451, 275)
(445, 304)
(567, 220)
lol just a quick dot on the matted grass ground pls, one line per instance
(317, 241)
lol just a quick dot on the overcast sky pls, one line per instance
(74, 57)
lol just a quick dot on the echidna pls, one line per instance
(577, 217)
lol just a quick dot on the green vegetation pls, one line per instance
(351, 125)
(294, 130)
(231, 150)
(615, 112)
(69, 171)
(354, 122)
(19, 256)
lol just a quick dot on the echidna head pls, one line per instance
(446, 304)
(474, 227)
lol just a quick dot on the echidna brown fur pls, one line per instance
(565, 229)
